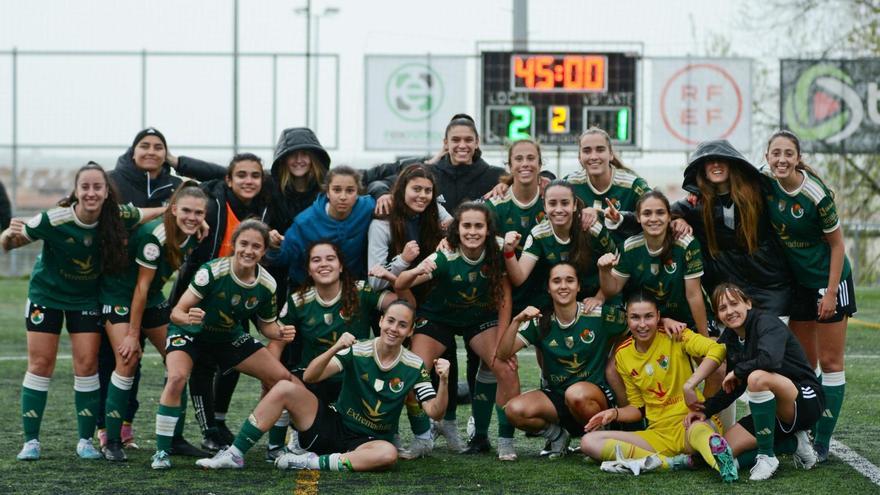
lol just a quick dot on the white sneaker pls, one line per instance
(449, 430)
(85, 450)
(294, 461)
(805, 456)
(293, 444)
(420, 447)
(764, 467)
(623, 465)
(161, 460)
(30, 451)
(506, 450)
(558, 447)
(225, 459)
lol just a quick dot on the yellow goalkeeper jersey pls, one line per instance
(654, 379)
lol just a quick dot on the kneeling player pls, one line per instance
(657, 371)
(356, 434)
(575, 345)
(785, 398)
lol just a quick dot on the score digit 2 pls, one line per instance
(558, 119)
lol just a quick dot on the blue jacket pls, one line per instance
(314, 224)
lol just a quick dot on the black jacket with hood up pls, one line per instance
(286, 204)
(769, 346)
(765, 274)
(136, 187)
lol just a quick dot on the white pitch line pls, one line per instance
(856, 461)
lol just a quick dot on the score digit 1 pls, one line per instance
(520, 123)
(559, 122)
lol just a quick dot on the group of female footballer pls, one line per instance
(648, 319)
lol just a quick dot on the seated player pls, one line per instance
(574, 343)
(659, 376)
(355, 434)
(785, 398)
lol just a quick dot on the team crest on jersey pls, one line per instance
(614, 201)
(569, 341)
(669, 267)
(781, 205)
(539, 217)
(587, 337)
(87, 240)
(37, 317)
(396, 385)
(649, 369)
(472, 277)
(524, 222)
(120, 310)
(663, 361)
(202, 277)
(236, 298)
(655, 268)
(797, 211)
(328, 318)
(251, 303)
(378, 383)
(151, 252)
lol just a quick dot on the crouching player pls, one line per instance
(356, 434)
(574, 343)
(659, 376)
(785, 397)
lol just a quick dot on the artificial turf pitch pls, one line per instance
(59, 471)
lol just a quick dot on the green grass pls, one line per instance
(60, 472)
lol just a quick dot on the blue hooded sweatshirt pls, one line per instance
(314, 224)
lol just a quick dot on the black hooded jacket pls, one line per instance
(764, 275)
(455, 183)
(136, 187)
(219, 195)
(286, 204)
(5, 208)
(769, 346)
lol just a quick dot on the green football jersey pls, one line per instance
(642, 268)
(227, 301)
(146, 247)
(547, 249)
(319, 323)
(372, 397)
(460, 293)
(511, 215)
(624, 191)
(577, 351)
(801, 218)
(66, 273)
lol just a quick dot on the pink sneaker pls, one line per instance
(127, 436)
(102, 437)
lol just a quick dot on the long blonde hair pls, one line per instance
(316, 172)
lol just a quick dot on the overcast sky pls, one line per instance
(97, 100)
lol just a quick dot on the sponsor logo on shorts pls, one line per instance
(120, 310)
(37, 317)
(241, 340)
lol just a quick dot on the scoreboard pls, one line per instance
(552, 97)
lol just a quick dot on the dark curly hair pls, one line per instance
(430, 232)
(111, 229)
(493, 259)
(350, 299)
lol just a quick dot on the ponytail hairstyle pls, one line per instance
(547, 314)
(430, 233)
(669, 237)
(615, 160)
(803, 167)
(173, 235)
(465, 120)
(493, 260)
(111, 230)
(730, 291)
(508, 178)
(747, 199)
(252, 224)
(342, 170)
(580, 253)
(643, 296)
(245, 157)
(347, 283)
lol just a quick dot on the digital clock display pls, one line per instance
(552, 72)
